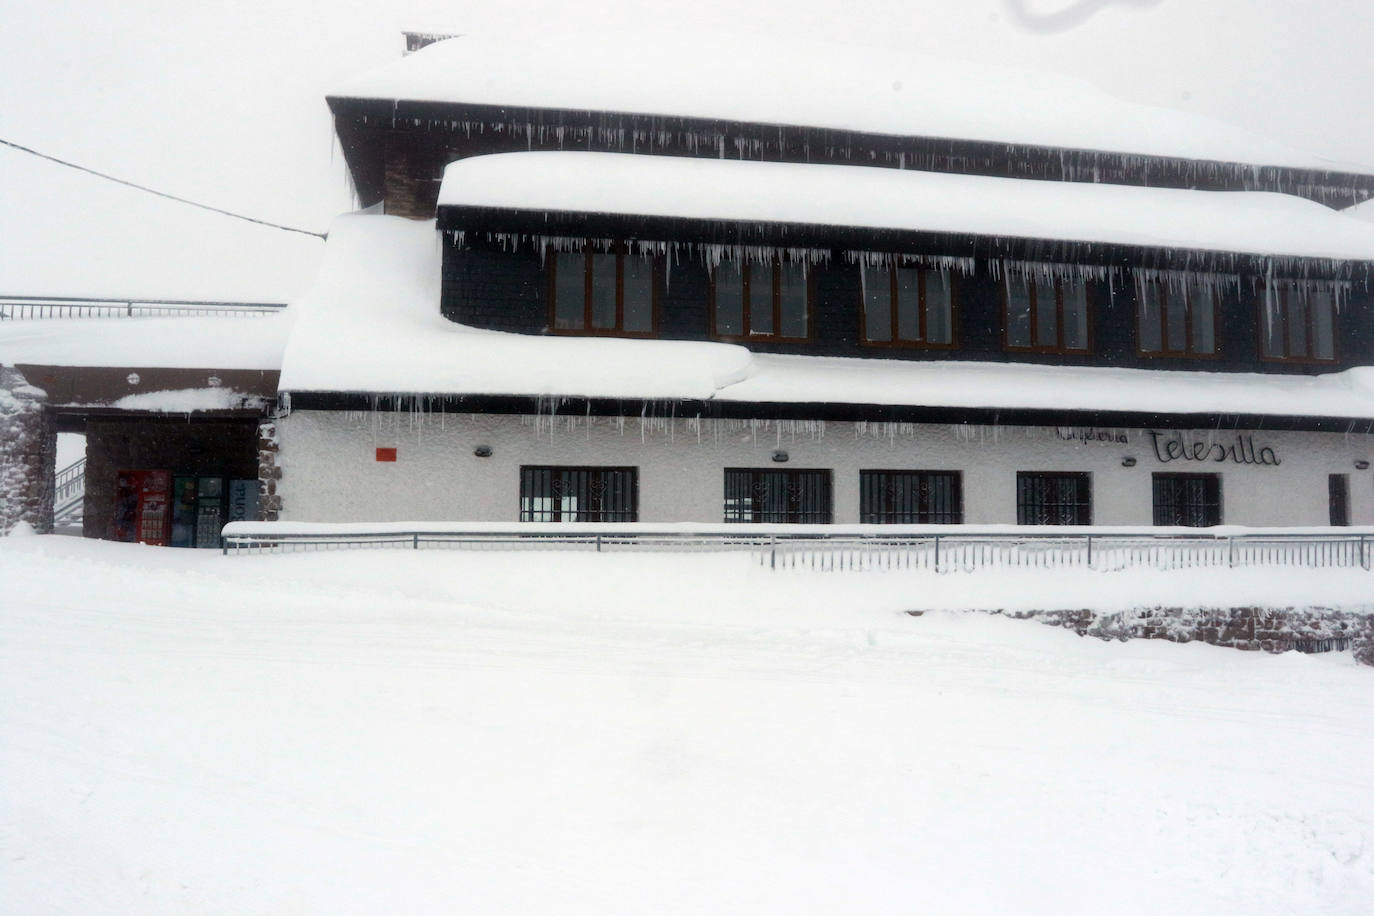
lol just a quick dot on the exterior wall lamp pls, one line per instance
(1128, 462)
(780, 456)
(482, 451)
(1362, 465)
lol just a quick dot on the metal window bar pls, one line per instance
(764, 495)
(910, 498)
(578, 494)
(1187, 500)
(1053, 498)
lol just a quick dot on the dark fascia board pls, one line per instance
(400, 111)
(812, 410)
(696, 231)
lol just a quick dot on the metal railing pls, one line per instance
(856, 547)
(69, 490)
(19, 308)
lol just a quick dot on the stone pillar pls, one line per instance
(269, 473)
(28, 454)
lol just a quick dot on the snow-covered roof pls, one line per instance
(254, 342)
(767, 80)
(1250, 222)
(372, 325)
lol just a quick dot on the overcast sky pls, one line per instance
(223, 102)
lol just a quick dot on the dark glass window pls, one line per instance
(1045, 315)
(908, 306)
(1298, 322)
(768, 301)
(571, 494)
(911, 498)
(1338, 493)
(1176, 320)
(768, 495)
(1044, 498)
(602, 292)
(1192, 500)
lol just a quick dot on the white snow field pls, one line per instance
(560, 732)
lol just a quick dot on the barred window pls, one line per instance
(1176, 321)
(1046, 315)
(1044, 498)
(1192, 500)
(578, 494)
(907, 306)
(785, 496)
(911, 497)
(1298, 322)
(602, 292)
(768, 301)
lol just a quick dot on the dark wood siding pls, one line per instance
(435, 134)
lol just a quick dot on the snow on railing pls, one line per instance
(45, 307)
(942, 549)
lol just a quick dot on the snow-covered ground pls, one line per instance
(542, 731)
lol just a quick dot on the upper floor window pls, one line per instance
(1298, 322)
(907, 306)
(602, 292)
(1046, 315)
(1176, 320)
(768, 301)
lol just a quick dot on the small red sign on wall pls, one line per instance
(386, 454)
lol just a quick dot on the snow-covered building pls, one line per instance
(632, 278)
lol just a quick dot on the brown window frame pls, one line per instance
(1033, 297)
(621, 250)
(1188, 352)
(895, 338)
(1282, 312)
(746, 271)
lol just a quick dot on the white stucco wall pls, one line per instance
(330, 471)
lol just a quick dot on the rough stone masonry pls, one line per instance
(28, 454)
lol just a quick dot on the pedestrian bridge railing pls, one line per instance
(27, 308)
(943, 549)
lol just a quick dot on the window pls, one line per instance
(753, 301)
(907, 306)
(1176, 320)
(1046, 315)
(602, 292)
(1053, 499)
(911, 498)
(1298, 322)
(566, 494)
(1191, 500)
(767, 495)
(1338, 496)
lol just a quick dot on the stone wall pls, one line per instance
(28, 454)
(1309, 629)
(269, 472)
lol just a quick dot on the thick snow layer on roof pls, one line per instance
(186, 343)
(372, 324)
(1250, 222)
(1364, 211)
(809, 84)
